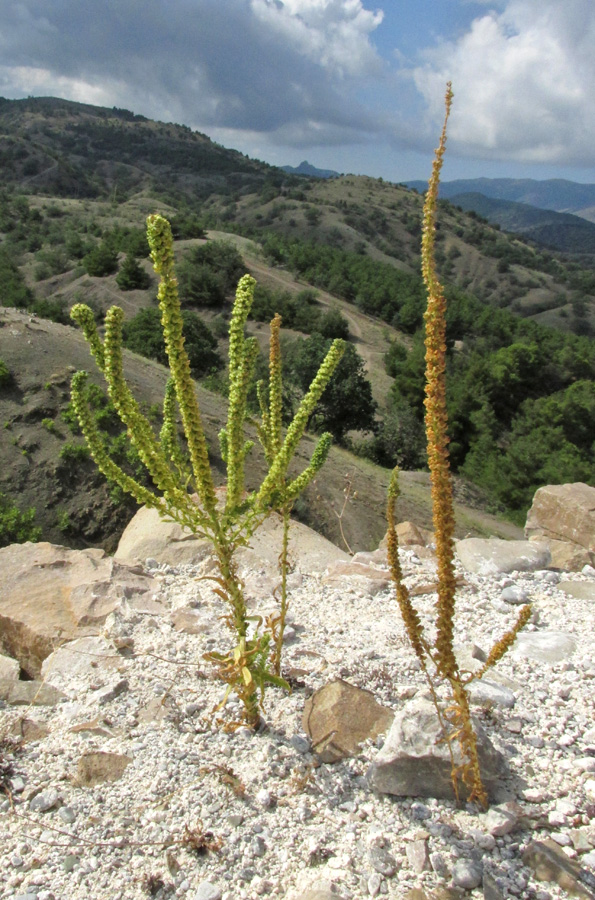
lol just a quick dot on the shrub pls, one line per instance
(5, 374)
(16, 526)
(143, 334)
(74, 452)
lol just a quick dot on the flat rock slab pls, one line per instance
(546, 646)
(339, 717)
(582, 590)
(415, 762)
(51, 594)
(496, 557)
(75, 665)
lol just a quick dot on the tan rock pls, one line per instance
(369, 578)
(564, 512)
(339, 717)
(148, 536)
(9, 674)
(34, 693)
(565, 555)
(51, 594)
(96, 767)
(549, 863)
(410, 535)
(29, 730)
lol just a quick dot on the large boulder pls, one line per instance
(564, 512)
(148, 536)
(566, 556)
(415, 761)
(339, 717)
(51, 594)
(493, 556)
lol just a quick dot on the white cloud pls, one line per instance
(523, 81)
(333, 33)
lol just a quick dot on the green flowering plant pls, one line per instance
(182, 472)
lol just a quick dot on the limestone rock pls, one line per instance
(75, 665)
(339, 717)
(167, 542)
(51, 594)
(582, 590)
(147, 535)
(566, 556)
(493, 556)
(564, 512)
(96, 767)
(545, 646)
(414, 762)
(370, 578)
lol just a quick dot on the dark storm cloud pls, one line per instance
(222, 64)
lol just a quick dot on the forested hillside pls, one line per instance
(336, 258)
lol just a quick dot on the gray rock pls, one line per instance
(414, 762)
(514, 595)
(208, 891)
(70, 862)
(373, 884)
(44, 801)
(544, 646)
(486, 693)
(111, 691)
(67, 814)
(467, 874)
(299, 743)
(382, 861)
(494, 556)
(500, 821)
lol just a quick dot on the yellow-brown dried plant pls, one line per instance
(437, 658)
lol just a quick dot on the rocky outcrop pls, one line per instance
(50, 594)
(564, 512)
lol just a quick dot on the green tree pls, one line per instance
(131, 276)
(101, 261)
(347, 403)
(144, 335)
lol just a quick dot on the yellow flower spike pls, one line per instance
(160, 241)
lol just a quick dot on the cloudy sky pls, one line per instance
(352, 85)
